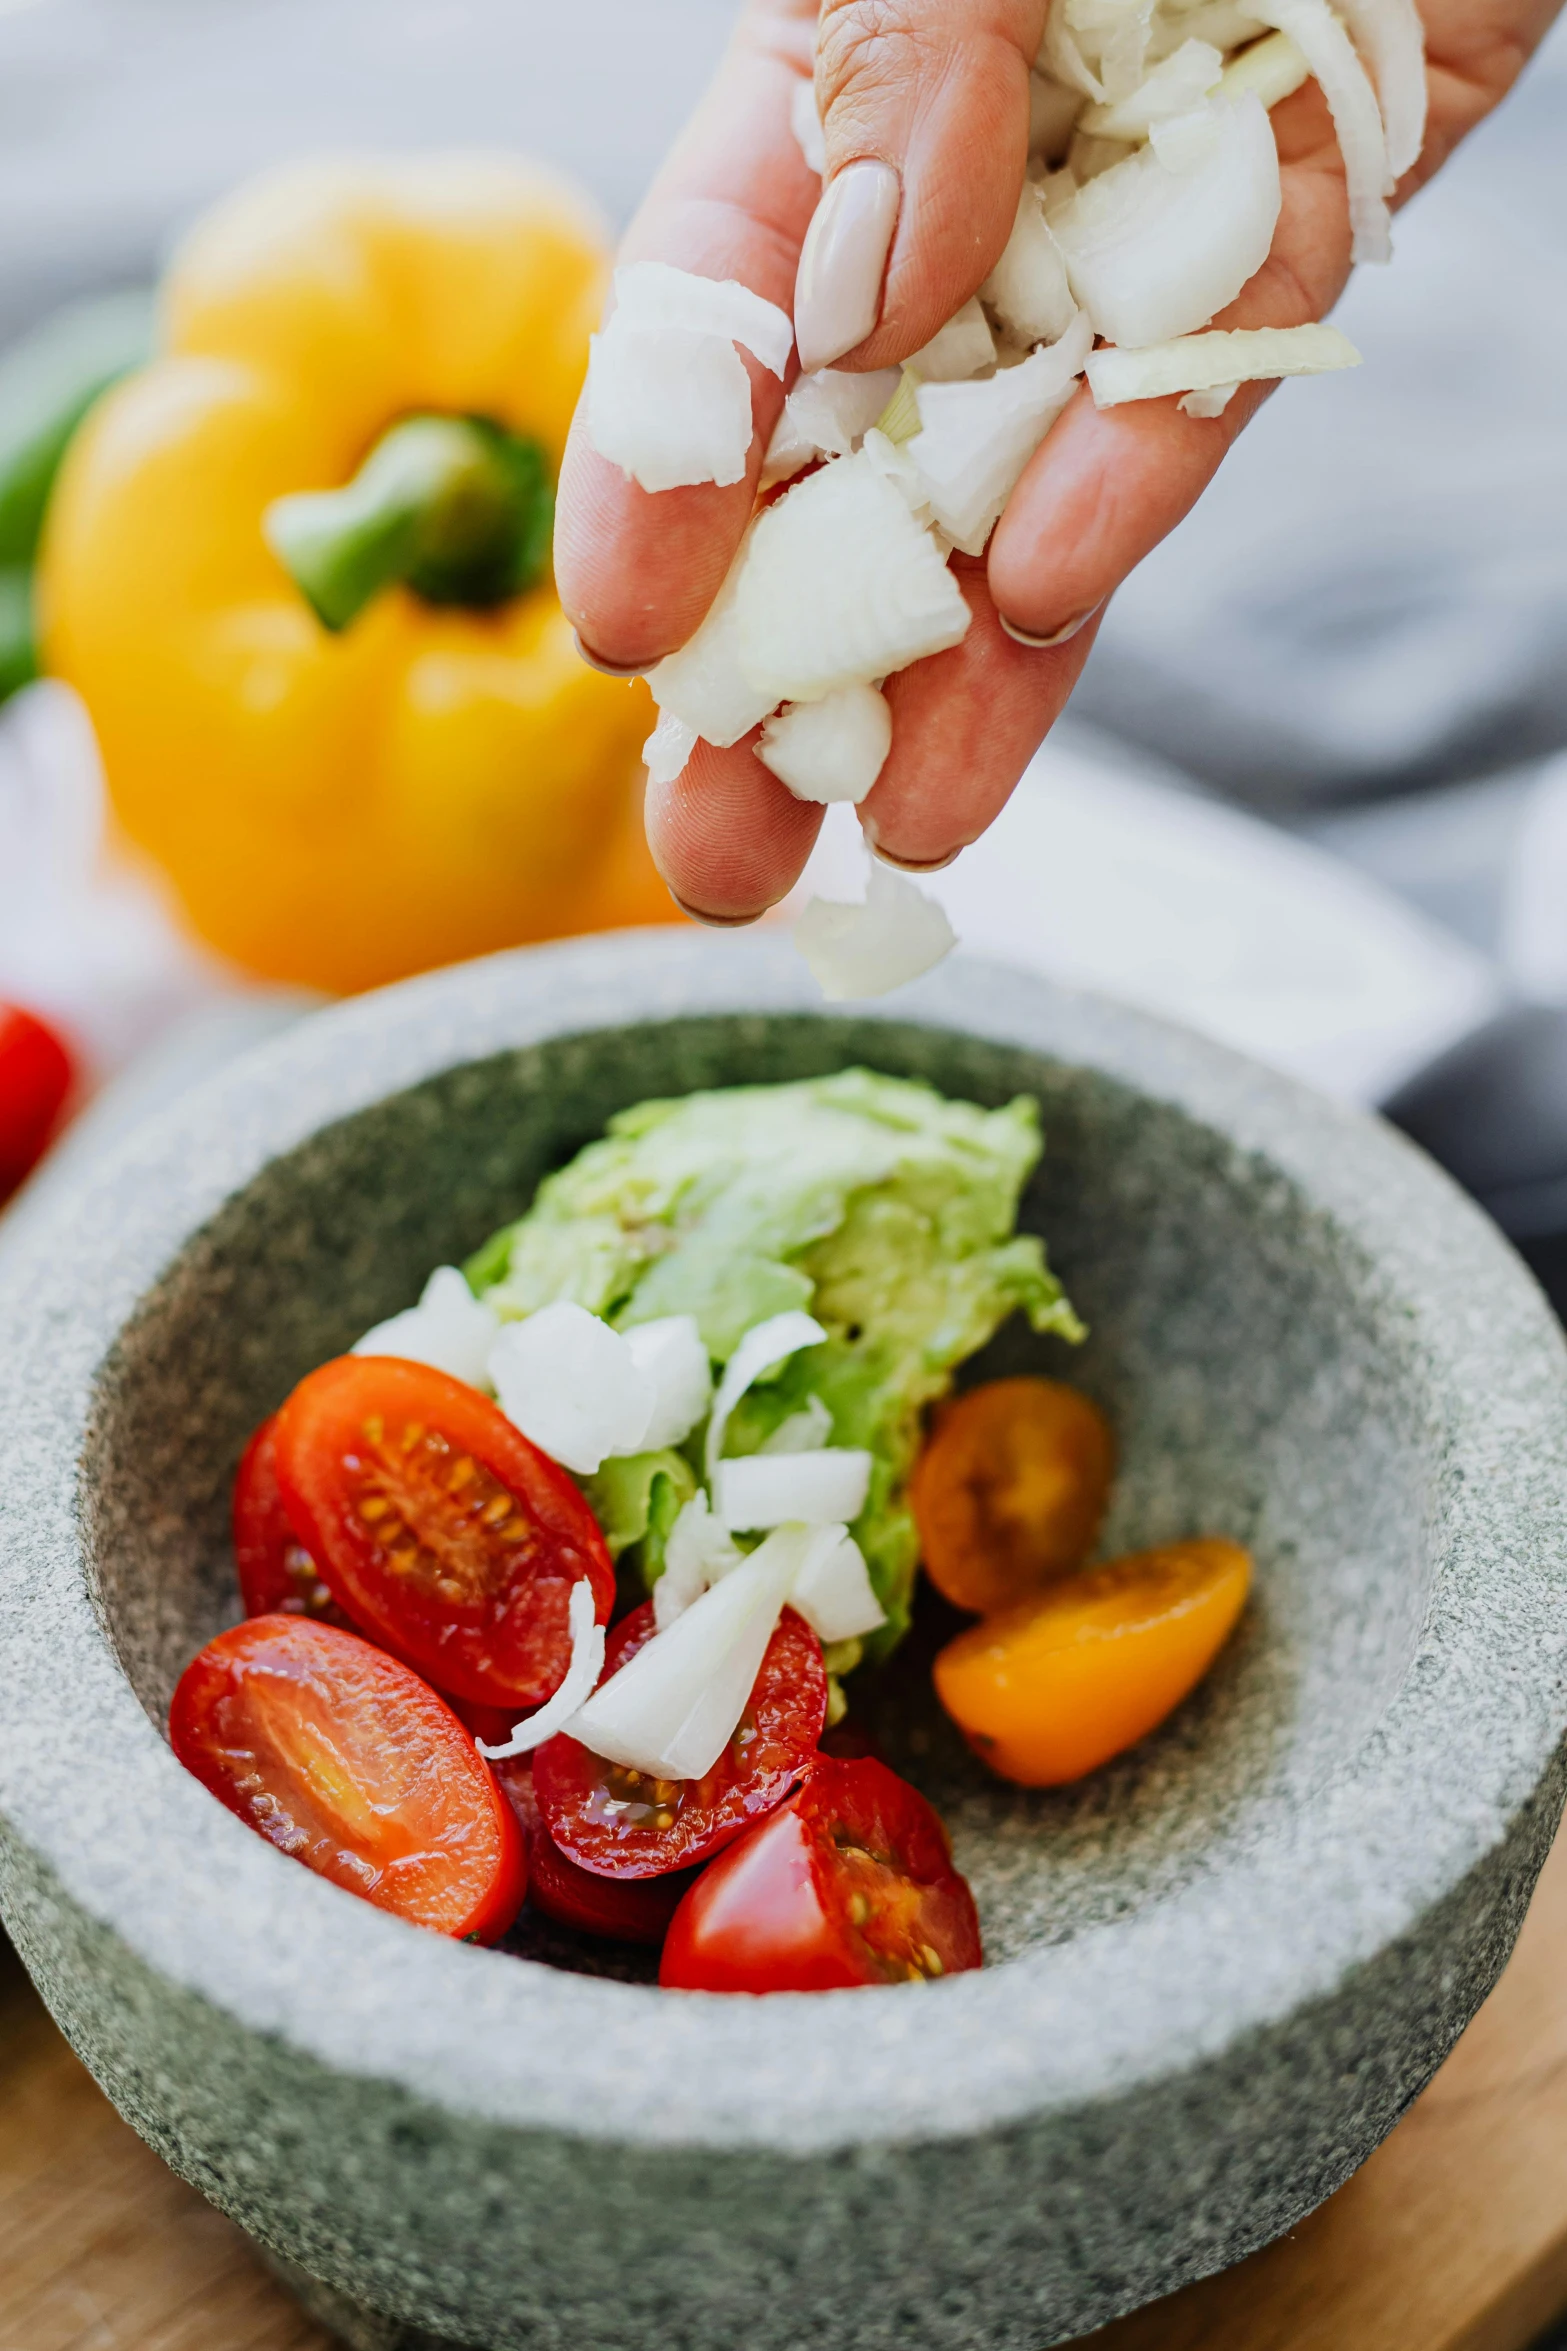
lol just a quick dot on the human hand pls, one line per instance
(937, 90)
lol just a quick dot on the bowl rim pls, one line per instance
(1463, 1745)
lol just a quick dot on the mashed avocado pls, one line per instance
(883, 1209)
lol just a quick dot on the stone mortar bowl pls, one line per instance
(1218, 1971)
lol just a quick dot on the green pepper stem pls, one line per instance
(454, 507)
(18, 652)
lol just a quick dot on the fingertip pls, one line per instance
(726, 836)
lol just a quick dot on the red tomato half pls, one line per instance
(850, 1882)
(276, 1573)
(337, 1754)
(438, 1528)
(621, 1824)
(35, 1077)
(629, 1910)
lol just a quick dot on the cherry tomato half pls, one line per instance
(849, 1882)
(621, 1824)
(1010, 1489)
(35, 1078)
(438, 1528)
(629, 1910)
(277, 1575)
(340, 1756)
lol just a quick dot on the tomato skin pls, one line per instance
(393, 1473)
(779, 1733)
(850, 1882)
(343, 1758)
(1009, 1490)
(35, 1078)
(626, 1910)
(277, 1576)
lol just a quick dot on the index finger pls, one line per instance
(637, 570)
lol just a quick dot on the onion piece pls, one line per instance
(653, 294)
(450, 1329)
(1086, 157)
(1159, 243)
(700, 1551)
(803, 1489)
(805, 1431)
(577, 1684)
(1392, 39)
(832, 1586)
(1212, 402)
(764, 1347)
(668, 749)
(841, 585)
(1274, 67)
(1223, 23)
(1027, 289)
(573, 1387)
(975, 439)
(705, 685)
(828, 414)
(669, 1353)
(830, 750)
(673, 1709)
(964, 347)
(1061, 57)
(1344, 82)
(1052, 112)
(669, 407)
(1201, 363)
(857, 951)
(806, 123)
(1180, 81)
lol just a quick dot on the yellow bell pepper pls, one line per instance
(437, 773)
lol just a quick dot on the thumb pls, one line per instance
(924, 108)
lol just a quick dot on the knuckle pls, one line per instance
(868, 45)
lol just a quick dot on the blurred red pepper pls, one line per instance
(35, 1078)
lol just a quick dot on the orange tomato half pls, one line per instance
(1010, 1489)
(1051, 1688)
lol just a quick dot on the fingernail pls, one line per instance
(837, 295)
(610, 669)
(1060, 636)
(918, 864)
(715, 922)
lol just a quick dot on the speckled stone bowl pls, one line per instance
(1218, 1971)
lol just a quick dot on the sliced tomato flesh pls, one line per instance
(850, 1882)
(277, 1575)
(346, 1760)
(628, 1910)
(618, 1823)
(440, 1531)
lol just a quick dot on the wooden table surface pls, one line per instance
(1452, 2238)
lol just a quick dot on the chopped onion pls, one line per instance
(841, 585)
(764, 1347)
(1052, 111)
(805, 1431)
(668, 748)
(832, 1586)
(1392, 39)
(1114, 34)
(1213, 402)
(673, 1709)
(964, 347)
(1329, 51)
(450, 1329)
(670, 1354)
(856, 951)
(705, 684)
(1273, 67)
(1027, 289)
(1159, 243)
(806, 124)
(807, 1489)
(1087, 157)
(670, 408)
(975, 439)
(572, 1386)
(1201, 363)
(1180, 81)
(828, 414)
(1223, 23)
(578, 1682)
(829, 750)
(652, 294)
(1061, 57)
(700, 1551)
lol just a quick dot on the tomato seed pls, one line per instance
(932, 1960)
